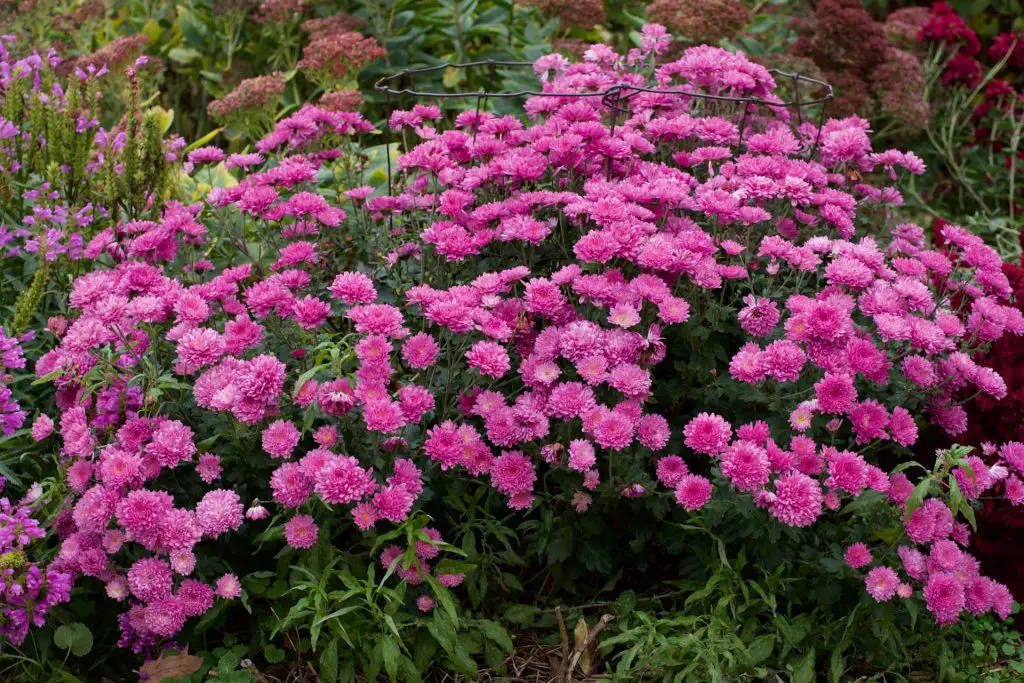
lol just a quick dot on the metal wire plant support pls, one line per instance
(615, 98)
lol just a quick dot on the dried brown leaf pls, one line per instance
(170, 666)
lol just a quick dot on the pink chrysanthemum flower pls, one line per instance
(581, 455)
(512, 472)
(451, 580)
(613, 430)
(281, 438)
(342, 480)
(228, 586)
(835, 393)
(165, 617)
(364, 515)
(759, 316)
(420, 351)
(171, 443)
(671, 469)
(623, 315)
(944, 597)
(693, 491)
(857, 555)
(798, 500)
(425, 603)
(150, 579)
(300, 531)
(881, 583)
(393, 503)
(707, 433)
(180, 530)
(198, 348)
(326, 436)
(869, 419)
(218, 512)
(291, 485)
(141, 514)
(490, 358)
(630, 380)
(755, 432)
(195, 597)
(802, 416)
(653, 431)
(117, 588)
(256, 512)
(183, 561)
(384, 416)
(746, 465)
(42, 427)
(782, 360)
(903, 427)
(673, 310)
(353, 288)
(847, 471)
(570, 399)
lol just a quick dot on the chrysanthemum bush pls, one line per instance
(689, 308)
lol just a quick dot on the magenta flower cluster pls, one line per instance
(28, 590)
(503, 365)
(12, 357)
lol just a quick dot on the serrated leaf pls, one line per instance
(273, 654)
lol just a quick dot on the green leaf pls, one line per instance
(192, 28)
(62, 637)
(390, 654)
(836, 666)
(329, 662)
(207, 620)
(464, 663)
(444, 597)
(203, 140)
(917, 496)
(151, 29)
(520, 614)
(760, 649)
(336, 613)
(443, 631)
(184, 55)
(75, 637)
(804, 672)
(560, 546)
(273, 654)
(448, 566)
(496, 634)
(227, 663)
(48, 377)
